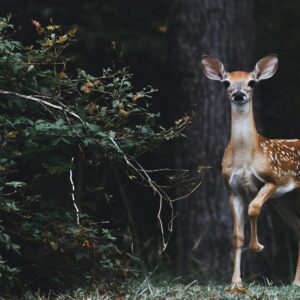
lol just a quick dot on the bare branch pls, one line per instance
(143, 174)
(44, 102)
(73, 195)
(189, 193)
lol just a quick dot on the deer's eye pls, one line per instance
(226, 83)
(251, 83)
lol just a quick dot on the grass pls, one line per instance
(173, 291)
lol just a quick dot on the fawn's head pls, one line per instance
(239, 84)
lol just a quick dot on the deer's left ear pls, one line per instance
(266, 67)
(213, 68)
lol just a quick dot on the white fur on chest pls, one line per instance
(243, 180)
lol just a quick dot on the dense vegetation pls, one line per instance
(66, 138)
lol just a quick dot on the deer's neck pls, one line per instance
(244, 137)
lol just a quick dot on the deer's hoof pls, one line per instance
(296, 283)
(236, 285)
(237, 288)
(256, 247)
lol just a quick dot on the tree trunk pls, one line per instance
(224, 29)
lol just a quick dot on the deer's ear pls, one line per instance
(266, 67)
(213, 68)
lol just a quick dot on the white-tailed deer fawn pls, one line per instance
(255, 169)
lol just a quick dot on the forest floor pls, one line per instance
(172, 291)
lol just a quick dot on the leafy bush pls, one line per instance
(61, 132)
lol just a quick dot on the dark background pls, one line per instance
(163, 42)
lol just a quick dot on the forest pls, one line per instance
(111, 146)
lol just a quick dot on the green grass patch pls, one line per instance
(173, 290)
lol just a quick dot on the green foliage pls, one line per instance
(53, 120)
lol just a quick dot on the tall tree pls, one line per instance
(224, 29)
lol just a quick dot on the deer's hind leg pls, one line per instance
(297, 275)
(288, 207)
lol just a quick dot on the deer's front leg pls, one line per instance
(254, 210)
(238, 215)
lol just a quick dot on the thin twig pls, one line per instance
(189, 193)
(163, 170)
(73, 194)
(143, 174)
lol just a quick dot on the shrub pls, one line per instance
(60, 131)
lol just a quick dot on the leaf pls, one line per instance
(162, 29)
(62, 74)
(53, 245)
(136, 97)
(86, 244)
(35, 23)
(177, 122)
(11, 134)
(94, 128)
(15, 248)
(62, 39)
(53, 27)
(88, 141)
(30, 68)
(145, 130)
(16, 184)
(72, 31)
(91, 107)
(186, 118)
(11, 206)
(60, 122)
(124, 113)
(47, 43)
(116, 103)
(112, 134)
(86, 88)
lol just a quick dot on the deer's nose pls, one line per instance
(238, 96)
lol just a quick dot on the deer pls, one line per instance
(255, 169)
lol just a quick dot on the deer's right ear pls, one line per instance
(213, 68)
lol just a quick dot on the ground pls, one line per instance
(173, 291)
